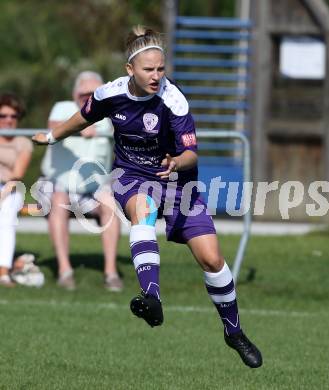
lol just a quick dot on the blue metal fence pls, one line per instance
(211, 66)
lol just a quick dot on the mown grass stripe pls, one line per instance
(169, 308)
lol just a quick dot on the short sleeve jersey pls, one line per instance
(145, 128)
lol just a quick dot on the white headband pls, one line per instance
(142, 49)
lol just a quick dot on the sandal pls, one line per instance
(66, 281)
(5, 281)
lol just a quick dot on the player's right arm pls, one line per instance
(73, 125)
(94, 110)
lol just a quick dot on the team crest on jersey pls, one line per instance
(150, 121)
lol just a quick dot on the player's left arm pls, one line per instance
(182, 125)
(183, 162)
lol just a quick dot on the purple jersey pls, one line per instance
(145, 128)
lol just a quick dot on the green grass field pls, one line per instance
(88, 339)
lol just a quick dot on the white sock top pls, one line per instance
(142, 232)
(219, 279)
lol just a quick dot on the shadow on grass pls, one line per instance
(324, 232)
(94, 261)
(247, 275)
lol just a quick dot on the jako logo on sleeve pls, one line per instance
(120, 116)
(189, 139)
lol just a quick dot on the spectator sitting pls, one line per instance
(15, 156)
(56, 167)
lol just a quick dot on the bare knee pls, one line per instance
(58, 210)
(207, 252)
(212, 263)
(138, 208)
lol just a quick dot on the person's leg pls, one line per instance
(220, 286)
(218, 279)
(10, 205)
(143, 243)
(110, 237)
(142, 212)
(58, 223)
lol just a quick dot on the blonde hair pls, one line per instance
(141, 38)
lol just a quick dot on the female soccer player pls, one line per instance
(154, 136)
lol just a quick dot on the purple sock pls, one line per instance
(220, 287)
(145, 255)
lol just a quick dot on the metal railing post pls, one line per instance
(247, 178)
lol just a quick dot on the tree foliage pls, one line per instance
(45, 44)
(214, 8)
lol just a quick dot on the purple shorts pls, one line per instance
(183, 209)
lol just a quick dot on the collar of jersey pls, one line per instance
(141, 98)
